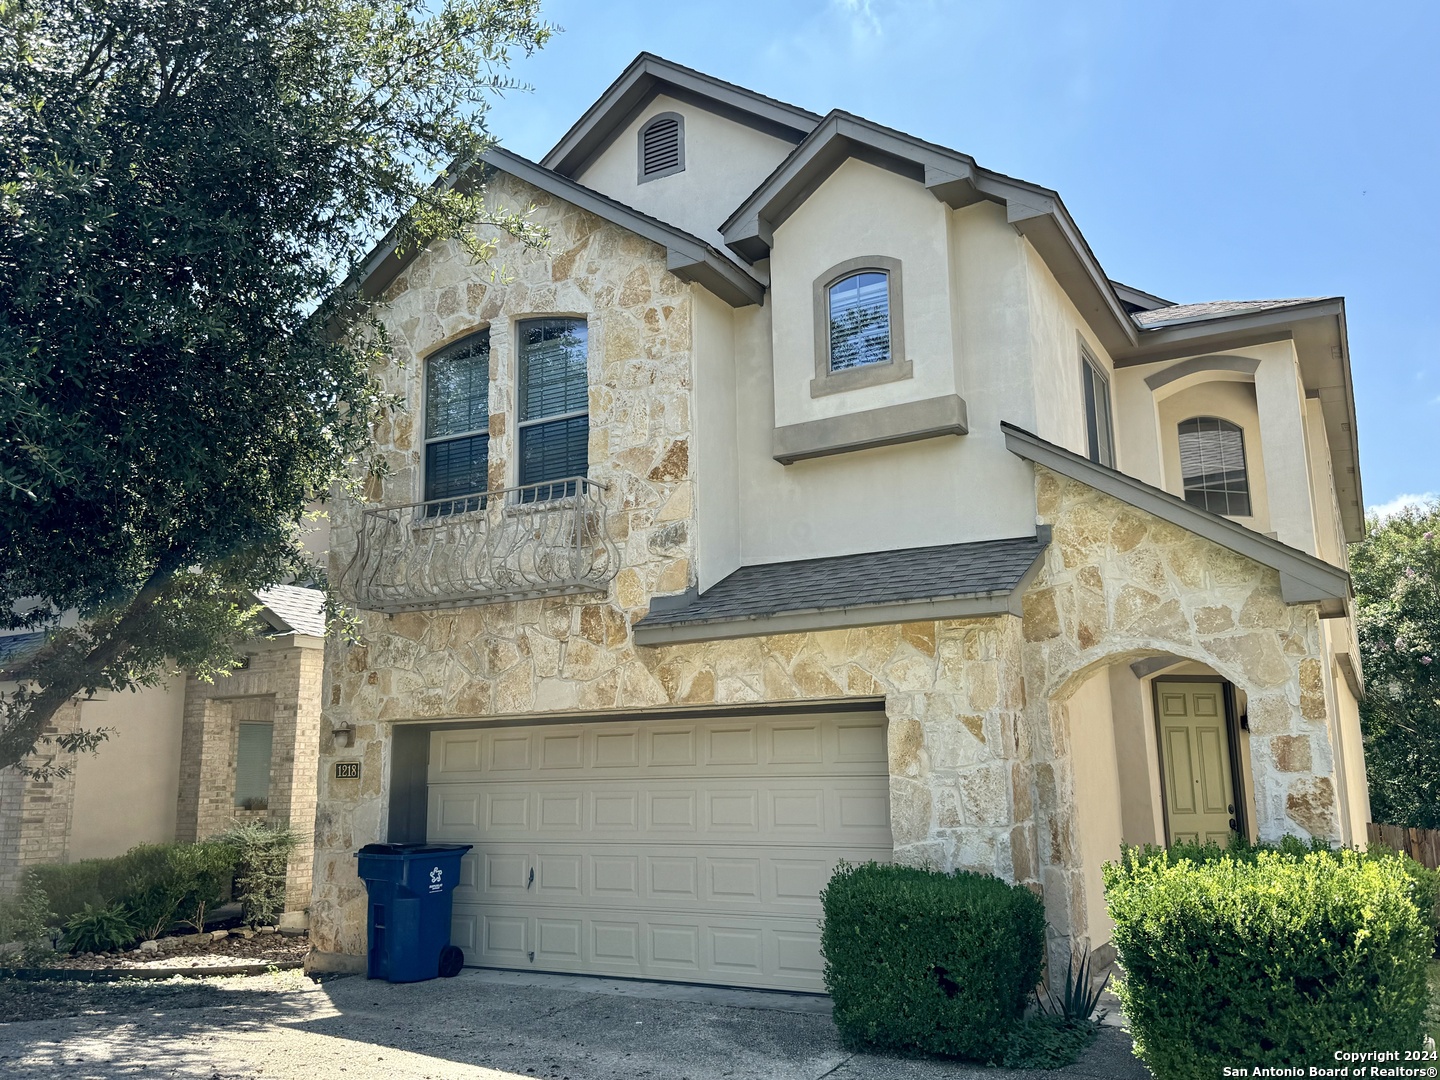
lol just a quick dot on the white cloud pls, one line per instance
(1400, 502)
(864, 20)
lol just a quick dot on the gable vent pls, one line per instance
(662, 146)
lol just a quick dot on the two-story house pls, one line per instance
(816, 496)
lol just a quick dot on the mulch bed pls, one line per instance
(197, 952)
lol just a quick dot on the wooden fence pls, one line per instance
(1422, 845)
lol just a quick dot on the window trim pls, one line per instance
(1090, 369)
(893, 370)
(522, 425)
(641, 175)
(425, 438)
(1249, 492)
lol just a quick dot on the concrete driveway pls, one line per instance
(480, 1026)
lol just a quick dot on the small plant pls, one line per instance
(262, 858)
(1078, 1000)
(1046, 1041)
(98, 930)
(24, 925)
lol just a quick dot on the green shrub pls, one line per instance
(262, 855)
(24, 925)
(1425, 883)
(1265, 957)
(157, 884)
(100, 930)
(169, 883)
(918, 961)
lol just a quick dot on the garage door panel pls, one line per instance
(737, 951)
(817, 748)
(688, 850)
(794, 810)
(718, 877)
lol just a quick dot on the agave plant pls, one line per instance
(1079, 999)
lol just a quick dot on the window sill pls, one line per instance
(856, 378)
(907, 422)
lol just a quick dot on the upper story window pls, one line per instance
(457, 420)
(1212, 466)
(662, 146)
(1099, 429)
(860, 320)
(554, 396)
(859, 338)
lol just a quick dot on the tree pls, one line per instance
(1396, 569)
(186, 189)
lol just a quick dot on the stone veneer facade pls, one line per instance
(978, 735)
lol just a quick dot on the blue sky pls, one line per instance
(1208, 151)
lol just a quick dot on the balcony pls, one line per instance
(544, 539)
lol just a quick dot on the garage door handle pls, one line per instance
(531, 879)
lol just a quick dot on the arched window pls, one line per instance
(457, 423)
(859, 308)
(662, 146)
(1212, 466)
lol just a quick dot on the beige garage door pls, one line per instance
(692, 850)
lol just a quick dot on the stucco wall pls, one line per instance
(1229, 400)
(724, 162)
(1056, 329)
(125, 792)
(862, 210)
(1098, 815)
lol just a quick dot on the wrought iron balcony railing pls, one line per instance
(536, 540)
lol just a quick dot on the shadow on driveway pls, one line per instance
(481, 1026)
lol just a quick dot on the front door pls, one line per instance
(1195, 761)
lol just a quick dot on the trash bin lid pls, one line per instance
(399, 850)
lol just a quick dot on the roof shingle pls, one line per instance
(871, 579)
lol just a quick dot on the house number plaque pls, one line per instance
(347, 770)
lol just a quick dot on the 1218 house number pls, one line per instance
(347, 770)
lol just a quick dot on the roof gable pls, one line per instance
(953, 178)
(687, 256)
(649, 75)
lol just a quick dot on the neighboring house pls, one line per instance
(186, 760)
(816, 496)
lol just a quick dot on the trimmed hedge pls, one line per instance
(1264, 957)
(919, 961)
(1424, 882)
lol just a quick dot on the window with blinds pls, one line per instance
(1212, 466)
(457, 423)
(254, 748)
(662, 146)
(1099, 429)
(554, 395)
(860, 320)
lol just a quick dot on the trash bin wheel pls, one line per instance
(451, 961)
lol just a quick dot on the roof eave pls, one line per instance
(687, 256)
(1303, 577)
(1245, 329)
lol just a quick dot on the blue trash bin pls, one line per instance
(410, 889)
